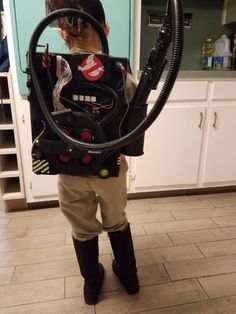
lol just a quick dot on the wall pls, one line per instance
(206, 23)
(24, 24)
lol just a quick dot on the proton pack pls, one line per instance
(87, 97)
(81, 117)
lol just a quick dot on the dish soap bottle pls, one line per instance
(208, 48)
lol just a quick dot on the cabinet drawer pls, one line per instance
(224, 90)
(184, 91)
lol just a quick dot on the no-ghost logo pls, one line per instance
(92, 68)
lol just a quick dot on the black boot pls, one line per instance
(124, 264)
(90, 268)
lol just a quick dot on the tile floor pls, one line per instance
(185, 249)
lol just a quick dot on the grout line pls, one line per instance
(12, 276)
(171, 239)
(200, 251)
(25, 233)
(64, 287)
(167, 272)
(203, 288)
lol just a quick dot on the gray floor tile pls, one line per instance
(174, 226)
(199, 236)
(219, 286)
(161, 255)
(51, 270)
(12, 233)
(20, 244)
(6, 275)
(152, 217)
(218, 248)
(151, 297)
(36, 256)
(33, 292)
(64, 306)
(150, 242)
(201, 267)
(181, 205)
(217, 306)
(181, 214)
(229, 200)
(225, 221)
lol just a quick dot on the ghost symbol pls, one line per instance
(92, 67)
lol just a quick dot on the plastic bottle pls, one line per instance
(222, 55)
(208, 48)
(233, 65)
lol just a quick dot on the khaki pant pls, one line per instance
(79, 198)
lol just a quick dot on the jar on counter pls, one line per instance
(208, 48)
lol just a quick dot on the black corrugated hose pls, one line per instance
(177, 48)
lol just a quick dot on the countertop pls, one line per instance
(201, 74)
(207, 74)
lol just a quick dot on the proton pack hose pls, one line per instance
(176, 24)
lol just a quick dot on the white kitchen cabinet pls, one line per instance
(220, 154)
(178, 153)
(11, 177)
(173, 143)
(43, 186)
(172, 149)
(219, 158)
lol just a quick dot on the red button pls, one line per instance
(65, 159)
(86, 136)
(86, 159)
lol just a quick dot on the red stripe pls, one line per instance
(95, 67)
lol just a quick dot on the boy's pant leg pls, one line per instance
(112, 197)
(79, 205)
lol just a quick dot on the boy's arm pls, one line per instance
(130, 87)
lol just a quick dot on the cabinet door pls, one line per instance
(172, 150)
(26, 14)
(220, 154)
(43, 187)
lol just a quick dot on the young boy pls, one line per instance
(79, 195)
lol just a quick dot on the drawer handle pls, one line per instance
(215, 120)
(201, 120)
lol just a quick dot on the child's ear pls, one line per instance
(64, 34)
(106, 29)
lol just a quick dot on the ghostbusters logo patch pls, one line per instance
(92, 68)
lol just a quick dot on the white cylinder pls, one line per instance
(222, 55)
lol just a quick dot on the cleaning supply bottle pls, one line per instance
(233, 49)
(208, 48)
(222, 56)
